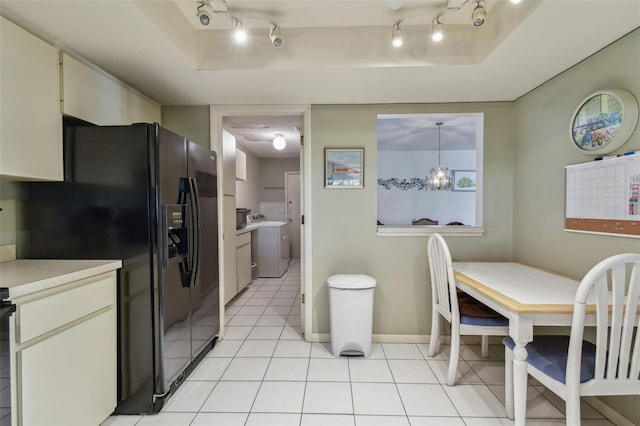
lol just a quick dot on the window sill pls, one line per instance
(425, 230)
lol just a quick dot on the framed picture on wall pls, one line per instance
(604, 121)
(464, 180)
(344, 168)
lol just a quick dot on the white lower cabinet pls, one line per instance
(243, 260)
(230, 247)
(64, 353)
(70, 378)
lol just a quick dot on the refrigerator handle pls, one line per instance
(195, 223)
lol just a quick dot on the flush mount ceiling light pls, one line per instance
(278, 142)
(437, 29)
(274, 35)
(239, 34)
(397, 35)
(479, 15)
(439, 178)
(515, 1)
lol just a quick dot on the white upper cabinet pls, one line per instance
(30, 119)
(241, 165)
(137, 108)
(94, 96)
(89, 94)
(228, 163)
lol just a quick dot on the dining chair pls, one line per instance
(444, 302)
(572, 367)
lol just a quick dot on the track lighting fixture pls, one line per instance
(279, 142)
(205, 11)
(478, 15)
(274, 35)
(437, 29)
(397, 35)
(239, 34)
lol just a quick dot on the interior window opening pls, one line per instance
(430, 170)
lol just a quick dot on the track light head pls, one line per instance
(205, 11)
(274, 35)
(479, 15)
(397, 36)
(239, 34)
(437, 29)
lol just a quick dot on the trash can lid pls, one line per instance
(351, 282)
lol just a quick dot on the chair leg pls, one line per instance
(508, 382)
(573, 407)
(435, 332)
(453, 356)
(485, 346)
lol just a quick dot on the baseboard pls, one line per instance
(611, 414)
(408, 338)
(400, 338)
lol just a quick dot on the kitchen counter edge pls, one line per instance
(26, 276)
(248, 228)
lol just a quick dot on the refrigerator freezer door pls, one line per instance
(205, 295)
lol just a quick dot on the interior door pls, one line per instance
(293, 211)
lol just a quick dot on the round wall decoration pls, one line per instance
(604, 121)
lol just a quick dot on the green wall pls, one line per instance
(344, 220)
(543, 147)
(272, 176)
(526, 146)
(189, 121)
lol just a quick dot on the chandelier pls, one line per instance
(439, 178)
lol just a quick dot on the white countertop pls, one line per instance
(248, 228)
(25, 276)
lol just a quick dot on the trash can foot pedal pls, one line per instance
(352, 353)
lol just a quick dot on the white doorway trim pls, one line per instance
(217, 113)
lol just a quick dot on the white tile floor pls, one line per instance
(263, 373)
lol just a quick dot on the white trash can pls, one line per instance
(351, 314)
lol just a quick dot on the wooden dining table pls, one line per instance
(528, 297)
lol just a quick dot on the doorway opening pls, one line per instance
(271, 183)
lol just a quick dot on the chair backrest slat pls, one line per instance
(634, 371)
(442, 280)
(617, 279)
(631, 323)
(615, 284)
(601, 290)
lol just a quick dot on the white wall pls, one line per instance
(272, 177)
(400, 207)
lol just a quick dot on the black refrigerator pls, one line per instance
(148, 196)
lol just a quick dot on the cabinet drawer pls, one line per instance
(70, 378)
(243, 239)
(50, 312)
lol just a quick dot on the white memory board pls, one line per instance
(603, 196)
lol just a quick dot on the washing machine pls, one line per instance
(272, 243)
